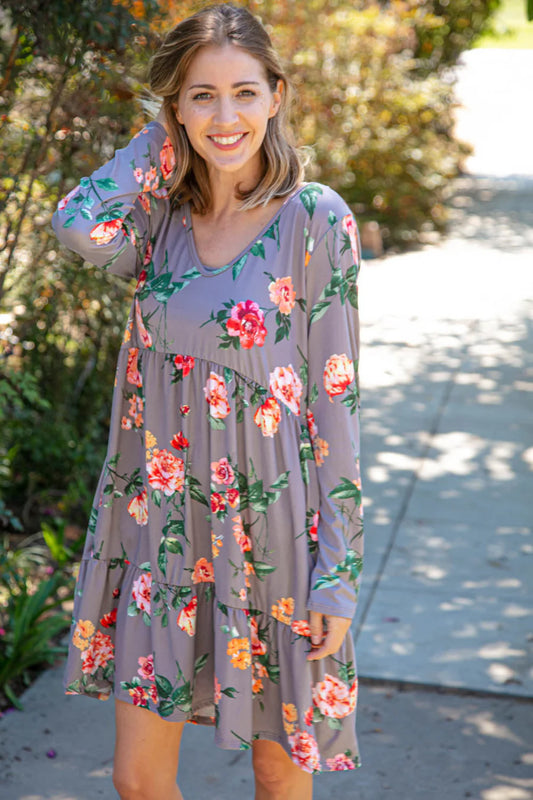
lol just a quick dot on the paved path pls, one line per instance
(447, 382)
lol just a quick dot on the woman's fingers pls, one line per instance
(326, 643)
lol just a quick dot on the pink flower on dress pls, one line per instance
(133, 375)
(222, 472)
(340, 762)
(304, 751)
(287, 387)
(147, 256)
(146, 667)
(338, 373)
(268, 416)
(281, 293)
(105, 232)
(216, 395)
(166, 472)
(349, 225)
(218, 693)
(259, 648)
(332, 697)
(313, 530)
(138, 508)
(146, 338)
(247, 322)
(187, 617)
(141, 592)
(64, 200)
(167, 159)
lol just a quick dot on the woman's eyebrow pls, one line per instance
(210, 86)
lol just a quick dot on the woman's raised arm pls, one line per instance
(106, 218)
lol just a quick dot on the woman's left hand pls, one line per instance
(327, 634)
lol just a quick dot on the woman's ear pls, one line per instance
(177, 113)
(277, 94)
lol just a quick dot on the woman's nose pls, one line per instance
(226, 112)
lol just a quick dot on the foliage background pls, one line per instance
(374, 99)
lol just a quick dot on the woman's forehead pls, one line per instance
(227, 64)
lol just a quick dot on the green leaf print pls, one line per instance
(165, 708)
(273, 232)
(70, 221)
(163, 685)
(332, 219)
(346, 490)
(108, 184)
(258, 249)
(156, 497)
(282, 481)
(216, 424)
(200, 663)
(309, 197)
(162, 559)
(93, 518)
(228, 375)
(237, 267)
(173, 546)
(229, 692)
(334, 724)
(198, 495)
(263, 569)
(318, 310)
(326, 581)
(353, 296)
(182, 697)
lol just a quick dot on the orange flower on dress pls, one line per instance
(301, 627)
(138, 508)
(320, 450)
(290, 717)
(281, 293)
(218, 502)
(133, 375)
(286, 386)
(283, 610)
(82, 633)
(218, 692)
(109, 620)
(179, 442)
(146, 338)
(166, 472)
(187, 617)
(203, 572)
(216, 395)
(239, 650)
(268, 416)
(105, 232)
(99, 652)
(242, 539)
(167, 159)
(338, 374)
(216, 544)
(139, 696)
(332, 697)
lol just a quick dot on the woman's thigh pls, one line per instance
(146, 752)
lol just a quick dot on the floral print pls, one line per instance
(229, 503)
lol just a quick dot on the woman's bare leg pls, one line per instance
(277, 777)
(146, 754)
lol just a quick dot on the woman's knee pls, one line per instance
(128, 785)
(274, 771)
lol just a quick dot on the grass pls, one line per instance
(512, 29)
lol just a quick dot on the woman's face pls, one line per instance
(225, 104)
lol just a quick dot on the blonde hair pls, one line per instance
(219, 25)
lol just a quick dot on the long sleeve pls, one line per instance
(333, 415)
(106, 218)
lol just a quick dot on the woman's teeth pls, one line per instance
(227, 139)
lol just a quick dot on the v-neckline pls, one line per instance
(208, 271)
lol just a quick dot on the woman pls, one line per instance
(220, 571)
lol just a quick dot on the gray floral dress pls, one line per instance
(229, 504)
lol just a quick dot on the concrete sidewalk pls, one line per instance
(444, 624)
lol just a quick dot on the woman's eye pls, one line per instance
(247, 93)
(201, 96)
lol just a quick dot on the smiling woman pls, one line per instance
(222, 563)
